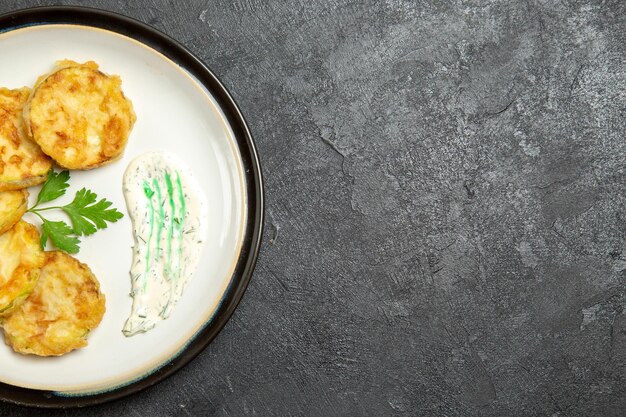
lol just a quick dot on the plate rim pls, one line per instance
(251, 242)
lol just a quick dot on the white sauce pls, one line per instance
(169, 215)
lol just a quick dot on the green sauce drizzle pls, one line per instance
(149, 192)
(170, 194)
(161, 222)
(174, 226)
(180, 221)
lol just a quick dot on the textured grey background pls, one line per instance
(445, 201)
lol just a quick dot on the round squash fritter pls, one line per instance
(21, 259)
(57, 316)
(22, 162)
(13, 205)
(80, 116)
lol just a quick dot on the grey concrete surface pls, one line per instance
(445, 200)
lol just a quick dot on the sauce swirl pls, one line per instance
(169, 212)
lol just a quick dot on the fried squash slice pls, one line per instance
(22, 162)
(64, 307)
(79, 115)
(13, 205)
(21, 259)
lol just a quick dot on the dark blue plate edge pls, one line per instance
(162, 43)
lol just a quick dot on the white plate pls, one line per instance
(176, 112)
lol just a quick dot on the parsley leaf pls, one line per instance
(54, 187)
(60, 234)
(85, 214)
(88, 217)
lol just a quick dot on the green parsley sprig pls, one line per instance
(86, 215)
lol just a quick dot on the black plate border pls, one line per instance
(162, 43)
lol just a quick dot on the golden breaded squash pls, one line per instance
(13, 205)
(22, 162)
(80, 116)
(64, 307)
(21, 259)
